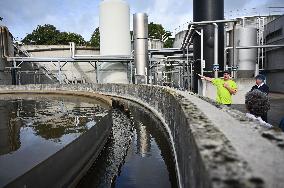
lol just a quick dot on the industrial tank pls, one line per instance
(114, 39)
(246, 58)
(208, 10)
(140, 31)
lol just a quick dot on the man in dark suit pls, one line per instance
(261, 86)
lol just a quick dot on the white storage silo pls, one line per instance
(114, 39)
(246, 36)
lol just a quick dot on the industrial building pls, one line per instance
(274, 66)
(120, 126)
(245, 46)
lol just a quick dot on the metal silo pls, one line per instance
(114, 39)
(140, 31)
(246, 58)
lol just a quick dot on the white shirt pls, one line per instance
(258, 86)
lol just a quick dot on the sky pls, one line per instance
(81, 16)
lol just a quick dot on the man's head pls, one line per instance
(259, 79)
(257, 102)
(226, 75)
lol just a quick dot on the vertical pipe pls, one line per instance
(258, 50)
(96, 67)
(191, 76)
(14, 76)
(225, 51)
(234, 51)
(262, 49)
(208, 10)
(131, 69)
(202, 50)
(216, 65)
(14, 73)
(187, 65)
(59, 73)
(140, 31)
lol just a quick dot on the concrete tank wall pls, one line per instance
(74, 72)
(205, 139)
(6, 44)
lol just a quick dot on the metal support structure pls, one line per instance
(59, 73)
(96, 67)
(235, 48)
(260, 46)
(202, 61)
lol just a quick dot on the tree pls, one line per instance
(65, 38)
(168, 40)
(78, 39)
(46, 34)
(156, 31)
(49, 35)
(95, 38)
(169, 43)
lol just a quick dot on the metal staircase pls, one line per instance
(49, 74)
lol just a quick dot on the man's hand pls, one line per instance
(232, 91)
(226, 85)
(201, 76)
(205, 78)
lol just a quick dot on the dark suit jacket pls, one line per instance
(264, 88)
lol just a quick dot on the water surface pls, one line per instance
(34, 127)
(137, 154)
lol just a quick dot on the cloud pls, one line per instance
(171, 14)
(242, 8)
(23, 16)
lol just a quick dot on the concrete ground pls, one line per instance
(276, 112)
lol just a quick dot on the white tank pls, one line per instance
(246, 57)
(114, 39)
(114, 28)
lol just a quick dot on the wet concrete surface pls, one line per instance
(34, 127)
(137, 155)
(276, 112)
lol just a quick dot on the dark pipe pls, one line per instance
(208, 10)
(14, 76)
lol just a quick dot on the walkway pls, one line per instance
(276, 112)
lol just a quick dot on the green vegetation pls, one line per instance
(48, 35)
(95, 38)
(157, 31)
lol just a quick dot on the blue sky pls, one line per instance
(81, 16)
